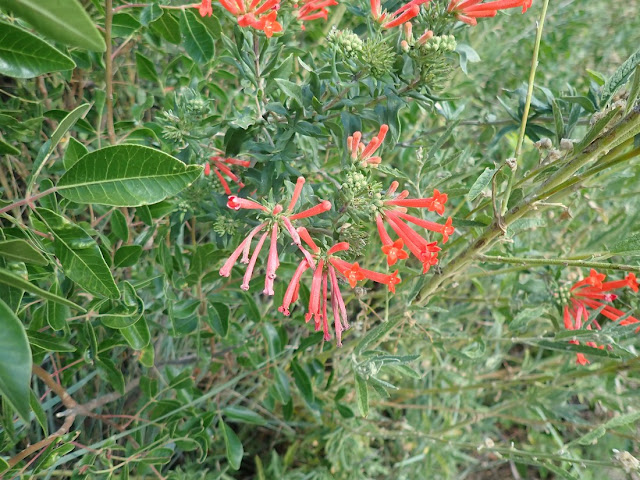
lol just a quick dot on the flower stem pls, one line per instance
(527, 106)
(565, 262)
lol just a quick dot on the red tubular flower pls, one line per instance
(394, 214)
(220, 167)
(468, 11)
(324, 273)
(205, 8)
(589, 293)
(400, 16)
(314, 9)
(250, 13)
(362, 153)
(280, 220)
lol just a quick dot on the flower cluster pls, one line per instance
(219, 167)
(258, 14)
(468, 11)
(313, 9)
(592, 293)
(392, 210)
(400, 16)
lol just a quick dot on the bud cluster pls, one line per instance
(346, 42)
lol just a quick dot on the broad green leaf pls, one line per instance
(196, 38)
(23, 55)
(80, 256)
(126, 176)
(127, 312)
(18, 250)
(363, 395)
(138, 337)
(480, 184)
(15, 362)
(74, 152)
(291, 89)
(64, 21)
(168, 27)
(233, 446)
(146, 69)
(9, 278)
(127, 255)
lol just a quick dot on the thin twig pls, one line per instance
(108, 62)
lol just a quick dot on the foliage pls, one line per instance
(146, 149)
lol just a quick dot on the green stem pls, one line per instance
(527, 106)
(565, 262)
(108, 64)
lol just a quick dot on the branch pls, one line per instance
(108, 62)
(565, 262)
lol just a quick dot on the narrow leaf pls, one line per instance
(363, 395)
(480, 184)
(15, 362)
(233, 446)
(9, 278)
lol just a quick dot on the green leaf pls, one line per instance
(196, 38)
(146, 69)
(363, 395)
(467, 54)
(9, 278)
(15, 362)
(127, 255)
(375, 334)
(523, 317)
(303, 382)
(629, 246)
(64, 21)
(290, 89)
(23, 55)
(119, 225)
(242, 414)
(6, 149)
(38, 412)
(80, 256)
(127, 312)
(138, 337)
(481, 183)
(619, 77)
(18, 250)
(218, 318)
(126, 176)
(49, 343)
(74, 152)
(55, 313)
(113, 373)
(232, 445)
(167, 27)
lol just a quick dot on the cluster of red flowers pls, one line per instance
(400, 16)
(591, 293)
(324, 264)
(393, 211)
(262, 14)
(468, 11)
(219, 167)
